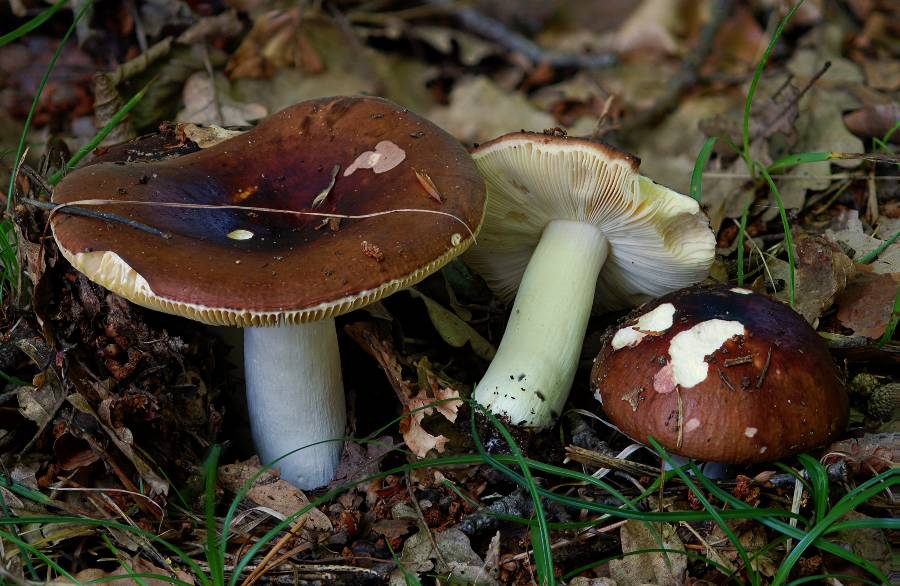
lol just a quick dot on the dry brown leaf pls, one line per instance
(866, 304)
(874, 120)
(137, 565)
(417, 438)
(271, 492)
(822, 272)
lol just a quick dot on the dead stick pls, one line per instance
(496, 31)
(96, 214)
(688, 74)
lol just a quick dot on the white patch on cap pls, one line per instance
(385, 157)
(763, 449)
(689, 348)
(691, 425)
(455, 239)
(598, 396)
(741, 291)
(659, 319)
(750, 431)
(241, 234)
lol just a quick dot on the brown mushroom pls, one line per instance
(365, 228)
(721, 374)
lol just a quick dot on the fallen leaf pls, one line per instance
(454, 330)
(873, 121)
(136, 565)
(867, 303)
(417, 401)
(467, 119)
(271, 492)
(642, 568)
(206, 136)
(822, 271)
(208, 102)
(853, 240)
(454, 556)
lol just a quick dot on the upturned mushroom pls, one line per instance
(368, 198)
(720, 374)
(572, 227)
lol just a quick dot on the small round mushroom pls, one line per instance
(572, 227)
(283, 277)
(721, 374)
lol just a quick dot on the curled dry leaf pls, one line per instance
(417, 438)
(270, 491)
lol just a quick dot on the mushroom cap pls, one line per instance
(232, 266)
(659, 239)
(721, 374)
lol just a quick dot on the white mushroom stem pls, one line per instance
(530, 377)
(295, 397)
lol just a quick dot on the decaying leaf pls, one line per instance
(822, 271)
(454, 330)
(206, 136)
(643, 568)
(270, 491)
(124, 441)
(417, 401)
(853, 240)
(208, 102)
(454, 557)
(136, 565)
(866, 304)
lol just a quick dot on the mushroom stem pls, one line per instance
(295, 396)
(530, 377)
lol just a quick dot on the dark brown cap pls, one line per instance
(347, 156)
(722, 374)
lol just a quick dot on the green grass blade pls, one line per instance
(788, 236)
(888, 334)
(872, 255)
(540, 533)
(800, 159)
(822, 579)
(757, 75)
(875, 523)
(795, 533)
(20, 150)
(849, 503)
(697, 175)
(215, 561)
(33, 551)
(818, 477)
(31, 24)
(708, 506)
(102, 134)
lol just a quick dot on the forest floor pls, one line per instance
(124, 446)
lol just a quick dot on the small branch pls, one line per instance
(688, 74)
(99, 215)
(496, 31)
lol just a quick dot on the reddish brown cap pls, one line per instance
(348, 156)
(720, 374)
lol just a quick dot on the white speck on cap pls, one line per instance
(750, 431)
(691, 425)
(689, 348)
(741, 291)
(241, 234)
(659, 319)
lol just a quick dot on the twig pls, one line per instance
(688, 74)
(724, 378)
(496, 31)
(762, 375)
(764, 131)
(99, 215)
(264, 565)
(592, 532)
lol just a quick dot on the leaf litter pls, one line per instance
(104, 396)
